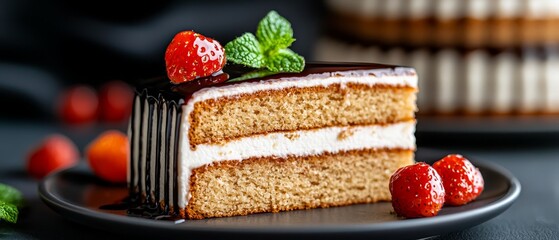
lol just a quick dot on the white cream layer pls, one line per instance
(298, 143)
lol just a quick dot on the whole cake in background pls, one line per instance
(473, 57)
(276, 134)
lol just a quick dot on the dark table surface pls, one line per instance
(533, 159)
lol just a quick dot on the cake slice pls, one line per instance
(328, 136)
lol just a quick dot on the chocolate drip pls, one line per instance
(176, 154)
(149, 192)
(132, 185)
(165, 150)
(152, 152)
(158, 149)
(142, 142)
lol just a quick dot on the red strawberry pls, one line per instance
(79, 105)
(55, 152)
(191, 55)
(417, 191)
(115, 101)
(108, 155)
(463, 182)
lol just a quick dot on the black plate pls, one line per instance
(77, 195)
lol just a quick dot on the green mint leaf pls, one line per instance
(253, 74)
(274, 32)
(285, 60)
(267, 51)
(245, 50)
(8, 212)
(10, 195)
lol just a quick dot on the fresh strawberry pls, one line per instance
(463, 182)
(78, 105)
(191, 55)
(108, 156)
(417, 191)
(115, 101)
(53, 153)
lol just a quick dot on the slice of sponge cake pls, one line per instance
(331, 135)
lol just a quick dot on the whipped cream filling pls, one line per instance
(297, 143)
(475, 71)
(479, 9)
(448, 9)
(551, 71)
(447, 62)
(419, 9)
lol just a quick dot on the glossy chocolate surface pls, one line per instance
(162, 85)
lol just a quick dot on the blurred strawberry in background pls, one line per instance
(115, 101)
(83, 104)
(79, 105)
(107, 156)
(55, 152)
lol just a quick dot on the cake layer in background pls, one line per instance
(446, 23)
(474, 81)
(472, 57)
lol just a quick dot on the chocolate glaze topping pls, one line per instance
(162, 85)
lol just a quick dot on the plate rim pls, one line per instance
(448, 222)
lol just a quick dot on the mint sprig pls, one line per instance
(10, 200)
(267, 51)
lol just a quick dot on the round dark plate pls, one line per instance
(77, 195)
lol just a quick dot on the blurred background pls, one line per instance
(50, 47)
(488, 79)
(474, 58)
